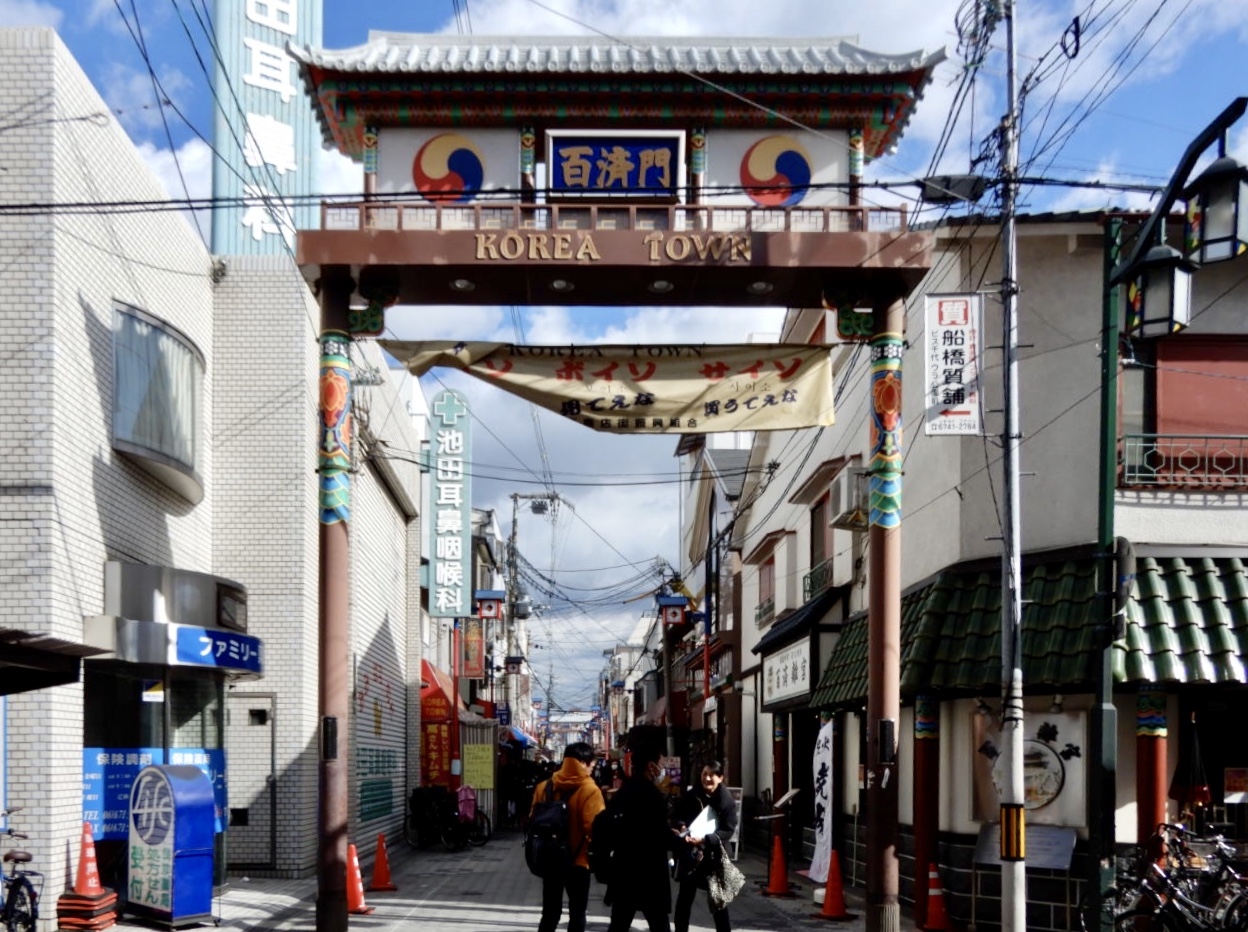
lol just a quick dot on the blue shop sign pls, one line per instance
(647, 165)
(212, 647)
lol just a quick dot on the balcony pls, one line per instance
(765, 612)
(1184, 461)
(817, 580)
(416, 215)
(411, 251)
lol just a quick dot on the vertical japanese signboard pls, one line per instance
(264, 139)
(953, 364)
(473, 665)
(451, 503)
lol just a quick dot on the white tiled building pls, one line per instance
(216, 485)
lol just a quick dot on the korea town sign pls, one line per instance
(514, 246)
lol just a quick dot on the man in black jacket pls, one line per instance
(643, 885)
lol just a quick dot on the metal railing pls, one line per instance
(1184, 461)
(765, 611)
(817, 580)
(413, 215)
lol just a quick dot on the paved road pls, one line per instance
(489, 889)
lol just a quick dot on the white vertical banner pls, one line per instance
(953, 367)
(450, 563)
(823, 804)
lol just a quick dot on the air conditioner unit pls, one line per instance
(849, 501)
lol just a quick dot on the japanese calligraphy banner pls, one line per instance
(824, 776)
(952, 363)
(648, 388)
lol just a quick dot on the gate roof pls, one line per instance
(402, 79)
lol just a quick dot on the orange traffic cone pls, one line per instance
(381, 867)
(778, 874)
(937, 919)
(355, 885)
(834, 893)
(88, 881)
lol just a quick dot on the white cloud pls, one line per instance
(192, 163)
(29, 13)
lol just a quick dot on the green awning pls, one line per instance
(1188, 623)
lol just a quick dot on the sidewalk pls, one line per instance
(489, 889)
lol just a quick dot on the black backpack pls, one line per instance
(547, 849)
(604, 839)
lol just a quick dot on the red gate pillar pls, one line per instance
(884, 617)
(1150, 761)
(926, 798)
(333, 468)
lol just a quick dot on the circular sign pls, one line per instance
(151, 807)
(1044, 774)
(448, 168)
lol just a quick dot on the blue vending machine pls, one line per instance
(171, 836)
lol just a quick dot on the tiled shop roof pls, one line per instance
(1188, 623)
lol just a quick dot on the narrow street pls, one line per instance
(489, 889)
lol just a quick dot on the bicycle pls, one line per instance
(22, 887)
(437, 814)
(1179, 882)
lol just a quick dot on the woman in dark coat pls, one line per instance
(703, 851)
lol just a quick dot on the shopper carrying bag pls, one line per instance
(707, 818)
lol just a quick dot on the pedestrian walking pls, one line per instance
(703, 853)
(573, 784)
(644, 885)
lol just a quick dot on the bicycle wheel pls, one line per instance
(1143, 920)
(20, 909)
(479, 830)
(454, 838)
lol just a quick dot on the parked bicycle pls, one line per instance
(436, 814)
(22, 886)
(1181, 882)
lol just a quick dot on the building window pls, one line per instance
(765, 611)
(1185, 414)
(158, 376)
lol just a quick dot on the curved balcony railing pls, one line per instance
(817, 580)
(412, 215)
(1184, 461)
(765, 611)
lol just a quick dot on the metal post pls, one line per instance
(333, 467)
(509, 684)
(883, 910)
(668, 692)
(1013, 828)
(1103, 765)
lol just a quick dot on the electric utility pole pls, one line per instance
(538, 501)
(1012, 822)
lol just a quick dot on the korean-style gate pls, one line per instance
(586, 171)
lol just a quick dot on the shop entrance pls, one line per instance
(251, 738)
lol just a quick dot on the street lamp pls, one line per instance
(1216, 227)
(1213, 232)
(1159, 297)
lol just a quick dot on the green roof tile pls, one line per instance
(1187, 623)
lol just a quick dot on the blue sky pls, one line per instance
(1114, 97)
